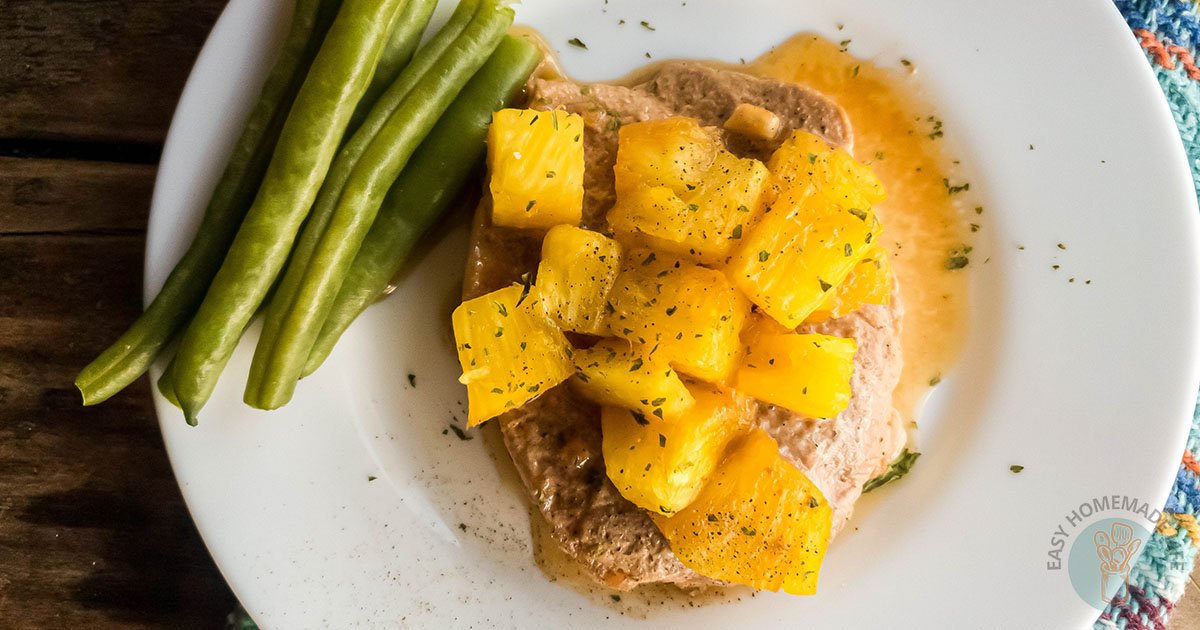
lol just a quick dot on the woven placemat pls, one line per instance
(1169, 31)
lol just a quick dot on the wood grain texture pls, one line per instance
(93, 531)
(97, 70)
(99, 197)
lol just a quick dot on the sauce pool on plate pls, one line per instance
(926, 217)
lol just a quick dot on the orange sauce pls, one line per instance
(897, 136)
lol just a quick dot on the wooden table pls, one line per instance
(93, 532)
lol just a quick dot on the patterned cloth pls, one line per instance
(1169, 32)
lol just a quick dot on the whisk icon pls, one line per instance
(1116, 548)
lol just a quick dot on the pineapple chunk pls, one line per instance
(870, 282)
(535, 159)
(794, 163)
(680, 191)
(673, 152)
(691, 314)
(807, 373)
(799, 252)
(661, 465)
(758, 521)
(613, 372)
(508, 350)
(577, 271)
(804, 160)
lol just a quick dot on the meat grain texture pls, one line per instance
(555, 440)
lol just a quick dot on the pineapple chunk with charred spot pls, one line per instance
(758, 521)
(576, 273)
(535, 160)
(806, 373)
(870, 282)
(679, 191)
(661, 465)
(509, 352)
(804, 160)
(691, 314)
(615, 372)
(799, 252)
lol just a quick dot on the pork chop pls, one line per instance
(555, 439)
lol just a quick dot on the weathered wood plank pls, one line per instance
(93, 532)
(41, 196)
(101, 70)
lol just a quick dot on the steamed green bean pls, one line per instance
(335, 82)
(339, 173)
(130, 356)
(434, 176)
(369, 181)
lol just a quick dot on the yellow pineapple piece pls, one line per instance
(804, 160)
(800, 251)
(615, 372)
(509, 351)
(577, 271)
(758, 521)
(851, 183)
(535, 160)
(673, 152)
(806, 373)
(661, 465)
(870, 282)
(679, 191)
(794, 163)
(690, 314)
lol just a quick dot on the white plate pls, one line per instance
(1090, 387)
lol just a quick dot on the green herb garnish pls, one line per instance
(900, 467)
(951, 190)
(956, 262)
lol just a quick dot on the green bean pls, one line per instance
(135, 350)
(433, 178)
(370, 180)
(406, 34)
(339, 173)
(336, 80)
(166, 384)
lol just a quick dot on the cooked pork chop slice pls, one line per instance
(555, 440)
